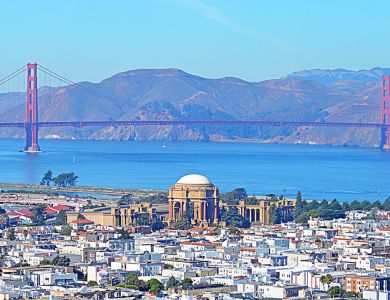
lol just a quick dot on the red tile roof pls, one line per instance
(83, 221)
(25, 212)
(56, 209)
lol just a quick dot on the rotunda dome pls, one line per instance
(195, 179)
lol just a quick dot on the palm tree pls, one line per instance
(326, 280)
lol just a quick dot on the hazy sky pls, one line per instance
(253, 40)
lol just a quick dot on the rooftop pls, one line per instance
(194, 179)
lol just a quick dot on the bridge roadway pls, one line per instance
(193, 122)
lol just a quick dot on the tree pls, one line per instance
(38, 217)
(182, 224)
(189, 214)
(233, 218)
(125, 199)
(124, 234)
(66, 231)
(80, 217)
(300, 210)
(11, 234)
(61, 217)
(47, 178)
(45, 262)
(92, 283)
(233, 197)
(234, 230)
(154, 285)
(355, 205)
(168, 266)
(326, 279)
(133, 280)
(377, 205)
(345, 206)
(305, 209)
(386, 204)
(172, 282)
(80, 275)
(299, 196)
(65, 179)
(252, 201)
(275, 215)
(157, 225)
(158, 198)
(335, 291)
(25, 234)
(366, 205)
(186, 282)
(143, 219)
(62, 261)
(2, 211)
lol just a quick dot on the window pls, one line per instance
(386, 105)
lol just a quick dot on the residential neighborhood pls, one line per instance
(61, 258)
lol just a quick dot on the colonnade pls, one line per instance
(203, 212)
(255, 214)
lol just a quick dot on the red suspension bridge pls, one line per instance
(32, 124)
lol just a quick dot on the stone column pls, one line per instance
(180, 210)
(204, 211)
(216, 211)
(184, 205)
(200, 211)
(170, 211)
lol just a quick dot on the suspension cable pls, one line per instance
(11, 76)
(77, 85)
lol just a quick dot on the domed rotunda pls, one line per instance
(194, 197)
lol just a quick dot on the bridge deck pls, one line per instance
(192, 122)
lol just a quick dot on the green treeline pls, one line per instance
(332, 210)
(62, 180)
(304, 209)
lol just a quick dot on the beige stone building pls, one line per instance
(195, 195)
(260, 213)
(118, 216)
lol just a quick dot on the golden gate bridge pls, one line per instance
(32, 123)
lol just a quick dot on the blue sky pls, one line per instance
(252, 39)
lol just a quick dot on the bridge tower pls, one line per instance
(385, 115)
(32, 110)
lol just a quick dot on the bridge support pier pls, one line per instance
(385, 139)
(385, 116)
(32, 110)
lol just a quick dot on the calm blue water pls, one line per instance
(318, 171)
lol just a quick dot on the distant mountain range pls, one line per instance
(313, 95)
(330, 76)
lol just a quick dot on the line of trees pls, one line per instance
(62, 180)
(232, 218)
(57, 261)
(152, 285)
(304, 209)
(333, 209)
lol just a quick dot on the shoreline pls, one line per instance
(213, 140)
(80, 189)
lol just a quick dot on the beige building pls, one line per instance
(260, 213)
(195, 195)
(118, 216)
